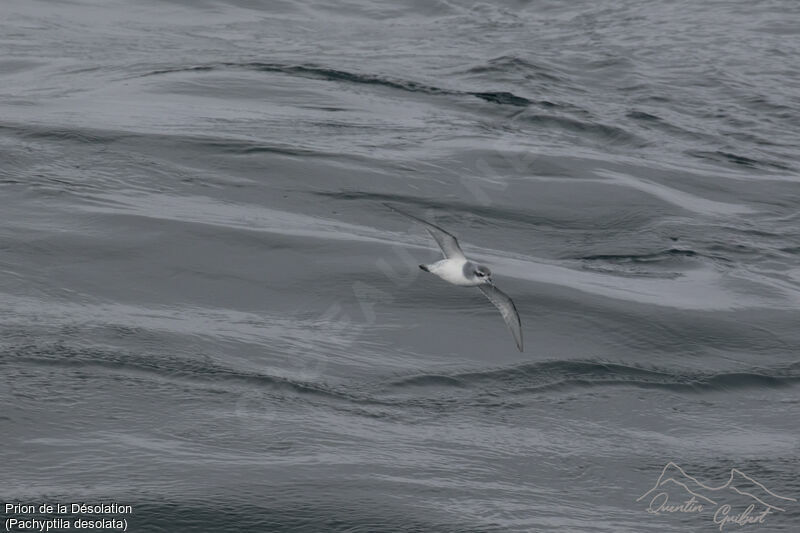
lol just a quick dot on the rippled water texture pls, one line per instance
(207, 313)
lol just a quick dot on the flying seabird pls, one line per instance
(455, 268)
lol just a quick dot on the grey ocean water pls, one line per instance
(207, 314)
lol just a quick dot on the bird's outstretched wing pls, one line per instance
(507, 309)
(446, 242)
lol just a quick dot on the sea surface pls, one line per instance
(208, 314)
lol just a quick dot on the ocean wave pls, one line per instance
(200, 371)
(736, 159)
(503, 65)
(641, 258)
(504, 386)
(545, 376)
(332, 74)
(609, 133)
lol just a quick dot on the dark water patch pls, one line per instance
(513, 64)
(343, 509)
(439, 391)
(429, 380)
(203, 144)
(60, 134)
(611, 62)
(641, 115)
(669, 256)
(550, 375)
(749, 137)
(504, 98)
(196, 68)
(599, 131)
(656, 98)
(200, 371)
(547, 104)
(330, 74)
(763, 104)
(733, 158)
(650, 121)
(742, 251)
(310, 71)
(651, 265)
(13, 66)
(740, 160)
(238, 147)
(641, 258)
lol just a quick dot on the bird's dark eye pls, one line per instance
(479, 273)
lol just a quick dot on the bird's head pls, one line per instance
(483, 274)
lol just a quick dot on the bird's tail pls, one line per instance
(424, 267)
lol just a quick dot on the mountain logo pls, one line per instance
(675, 491)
